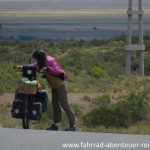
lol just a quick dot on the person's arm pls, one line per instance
(35, 64)
(54, 68)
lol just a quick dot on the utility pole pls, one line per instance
(139, 47)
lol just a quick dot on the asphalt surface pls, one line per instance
(19, 139)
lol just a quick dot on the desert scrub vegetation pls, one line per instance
(84, 61)
(124, 114)
(92, 66)
(5, 118)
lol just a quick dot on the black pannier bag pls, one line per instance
(17, 109)
(42, 97)
(36, 111)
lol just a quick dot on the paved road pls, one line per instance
(19, 139)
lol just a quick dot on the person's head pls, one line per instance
(39, 55)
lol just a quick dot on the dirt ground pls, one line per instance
(73, 98)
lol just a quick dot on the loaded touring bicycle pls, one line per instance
(30, 99)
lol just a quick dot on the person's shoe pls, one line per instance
(71, 128)
(53, 127)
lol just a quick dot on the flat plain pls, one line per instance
(66, 23)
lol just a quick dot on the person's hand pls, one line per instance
(44, 69)
(19, 67)
(61, 76)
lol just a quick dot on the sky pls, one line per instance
(107, 1)
(73, 3)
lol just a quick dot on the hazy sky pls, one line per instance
(76, 3)
(107, 1)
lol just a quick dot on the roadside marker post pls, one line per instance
(139, 47)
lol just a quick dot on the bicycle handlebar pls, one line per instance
(20, 68)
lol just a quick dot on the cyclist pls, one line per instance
(56, 77)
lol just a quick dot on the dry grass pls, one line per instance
(5, 117)
(141, 128)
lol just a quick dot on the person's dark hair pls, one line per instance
(39, 55)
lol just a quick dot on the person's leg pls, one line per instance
(56, 107)
(56, 111)
(62, 96)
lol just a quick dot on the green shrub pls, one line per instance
(123, 113)
(107, 116)
(134, 107)
(103, 100)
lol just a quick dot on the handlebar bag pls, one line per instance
(26, 86)
(21, 85)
